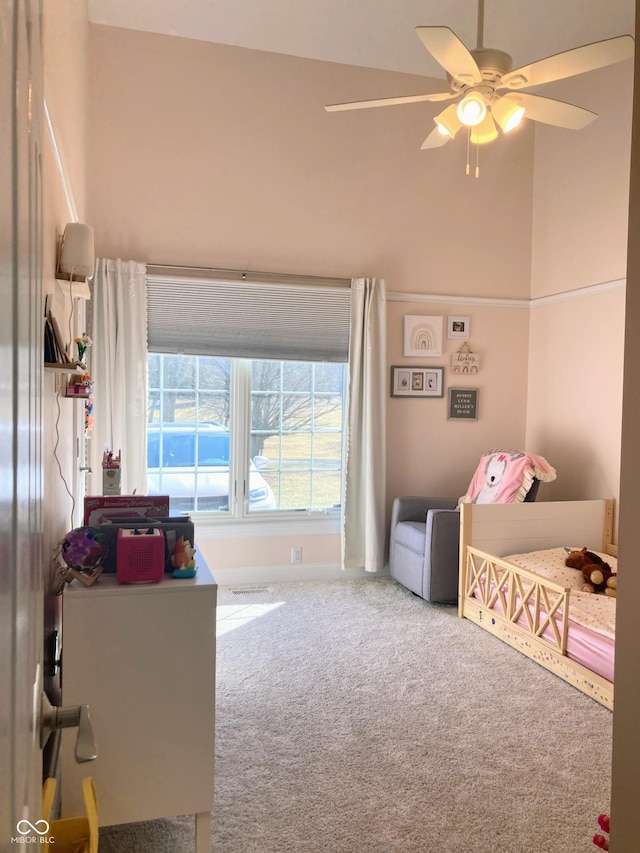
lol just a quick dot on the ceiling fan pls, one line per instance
(489, 92)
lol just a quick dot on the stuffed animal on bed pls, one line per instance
(597, 574)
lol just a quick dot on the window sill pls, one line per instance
(304, 524)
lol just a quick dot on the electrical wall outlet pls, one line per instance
(296, 555)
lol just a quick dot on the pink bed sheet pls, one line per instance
(589, 648)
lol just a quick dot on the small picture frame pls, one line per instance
(422, 336)
(463, 404)
(417, 381)
(465, 360)
(458, 327)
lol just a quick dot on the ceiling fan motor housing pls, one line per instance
(492, 63)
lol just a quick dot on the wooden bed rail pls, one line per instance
(526, 611)
(530, 603)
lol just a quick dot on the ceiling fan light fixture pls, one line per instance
(486, 88)
(484, 132)
(507, 113)
(447, 122)
(472, 109)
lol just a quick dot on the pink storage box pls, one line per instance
(140, 555)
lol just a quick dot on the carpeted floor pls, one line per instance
(353, 717)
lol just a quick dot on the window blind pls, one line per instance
(284, 320)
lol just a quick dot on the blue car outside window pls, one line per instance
(153, 450)
(213, 449)
(178, 450)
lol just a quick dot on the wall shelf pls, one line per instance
(65, 367)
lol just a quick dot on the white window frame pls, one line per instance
(239, 516)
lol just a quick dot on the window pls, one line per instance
(217, 423)
(250, 420)
(296, 412)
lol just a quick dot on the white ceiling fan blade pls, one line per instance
(550, 111)
(571, 62)
(447, 49)
(435, 140)
(388, 102)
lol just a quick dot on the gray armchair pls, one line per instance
(424, 545)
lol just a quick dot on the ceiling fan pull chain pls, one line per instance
(468, 143)
(478, 161)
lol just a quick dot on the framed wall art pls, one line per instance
(463, 404)
(465, 360)
(458, 327)
(422, 335)
(417, 381)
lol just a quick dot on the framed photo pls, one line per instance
(463, 404)
(417, 381)
(422, 335)
(458, 327)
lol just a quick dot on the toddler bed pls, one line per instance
(514, 584)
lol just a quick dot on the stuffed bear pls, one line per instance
(597, 574)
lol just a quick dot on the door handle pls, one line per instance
(53, 718)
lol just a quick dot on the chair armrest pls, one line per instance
(443, 531)
(442, 554)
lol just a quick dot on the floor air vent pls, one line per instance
(251, 590)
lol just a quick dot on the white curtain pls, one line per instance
(118, 366)
(363, 531)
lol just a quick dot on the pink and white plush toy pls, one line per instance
(494, 471)
(505, 476)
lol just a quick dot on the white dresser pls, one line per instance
(143, 658)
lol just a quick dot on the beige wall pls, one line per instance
(65, 55)
(581, 186)
(210, 155)
(218, 156)
(65, 48)
(575, 392)
(580, 213)
(430, 455)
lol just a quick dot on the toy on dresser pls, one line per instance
(83, 549)
(183, 559)
(140, 555)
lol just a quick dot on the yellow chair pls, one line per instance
(71, 834)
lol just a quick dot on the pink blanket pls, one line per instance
(505, 476)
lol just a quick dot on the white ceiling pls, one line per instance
(375, 33)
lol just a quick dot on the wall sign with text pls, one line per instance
(465, 361)
(463, 404)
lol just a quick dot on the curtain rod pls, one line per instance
(244, 275)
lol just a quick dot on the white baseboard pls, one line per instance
(281, 574)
